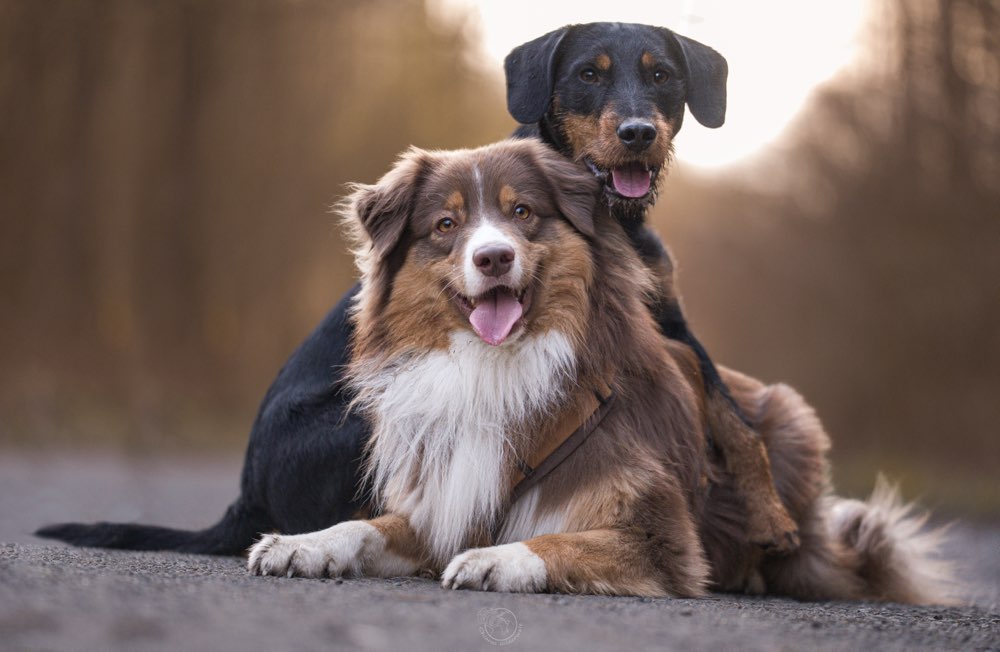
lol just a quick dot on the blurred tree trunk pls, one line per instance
(166, 173)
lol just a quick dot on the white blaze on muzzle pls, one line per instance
(496, 307)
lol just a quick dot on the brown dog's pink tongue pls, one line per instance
(495, 315)
(631, 180)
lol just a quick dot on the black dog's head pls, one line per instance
(613, 95)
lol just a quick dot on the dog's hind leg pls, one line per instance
(768, 523)
(797, 447)
(875, 549)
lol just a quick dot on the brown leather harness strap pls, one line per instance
(567, 435)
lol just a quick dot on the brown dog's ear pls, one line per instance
(707, 71)
(382, 210)
(530, 71)
(574, 188)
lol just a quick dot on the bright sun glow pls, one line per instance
(779, 51)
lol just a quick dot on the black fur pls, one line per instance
(546, 67)
(301, 468)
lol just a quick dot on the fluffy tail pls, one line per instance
(231, 536)
(894, 556)
(877, 549)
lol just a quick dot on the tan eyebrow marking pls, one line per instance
(455, 202)
(603, 62)
(648, 60)
(507, 199)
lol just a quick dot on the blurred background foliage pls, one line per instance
(167, 167)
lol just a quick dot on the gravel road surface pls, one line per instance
(58, 598)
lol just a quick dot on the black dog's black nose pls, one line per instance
(493, 260)
(636, 134)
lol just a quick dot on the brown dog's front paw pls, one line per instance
(511, 568)
(334, 552)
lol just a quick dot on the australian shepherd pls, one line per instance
(502, 317)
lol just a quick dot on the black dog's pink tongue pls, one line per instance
(631, 180)
(495, 316)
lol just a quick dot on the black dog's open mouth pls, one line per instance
(496, 313)
(632, 181)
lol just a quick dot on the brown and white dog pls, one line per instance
(498, 294)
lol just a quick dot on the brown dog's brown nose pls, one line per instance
(493, 260)
(636, 134)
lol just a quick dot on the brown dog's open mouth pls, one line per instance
(634, 181)
(496, 313)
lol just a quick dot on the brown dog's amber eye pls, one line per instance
(588, 75)
(445, 225)
(522, 212)
(660, 76)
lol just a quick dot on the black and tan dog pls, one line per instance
(499, 298)
(612, 96)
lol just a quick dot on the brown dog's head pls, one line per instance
(613, 95)
(491, 240)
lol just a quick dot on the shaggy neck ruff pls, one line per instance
(445, 424)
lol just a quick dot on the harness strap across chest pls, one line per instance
(562, 440)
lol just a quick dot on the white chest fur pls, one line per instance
(441, 427)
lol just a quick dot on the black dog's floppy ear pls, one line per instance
(530, 70)
(574, 188)
(379, 213)
(706, 81)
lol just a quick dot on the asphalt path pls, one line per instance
(54, 597)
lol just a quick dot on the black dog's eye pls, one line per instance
(522, 212)
(588, 76)
(661, 77)
(444, 225)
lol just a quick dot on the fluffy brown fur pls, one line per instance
(638, 509)
(874, 550)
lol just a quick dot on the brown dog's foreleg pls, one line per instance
(656, 551)
(606, 562)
